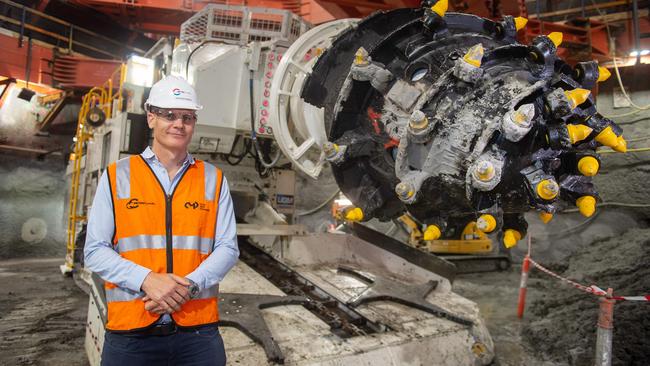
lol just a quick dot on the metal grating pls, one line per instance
(226, 36)
(227, 18)
(296, 27)
(195, 30)
(254, 38)
(274, 24)
(241, 25)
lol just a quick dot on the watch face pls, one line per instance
(194, 290)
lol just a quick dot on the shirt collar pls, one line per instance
(149, 155)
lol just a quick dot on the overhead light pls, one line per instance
(343, 202)
(639, 53)
(140, 71)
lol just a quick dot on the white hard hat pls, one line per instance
(173, 92)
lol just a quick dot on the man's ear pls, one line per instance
(150, 117)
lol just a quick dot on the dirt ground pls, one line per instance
(563, 321)
(42, 314)
(496, 294)
(559, 324)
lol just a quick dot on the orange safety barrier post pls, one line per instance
(525, 267)
(523, 284)
(605, 329)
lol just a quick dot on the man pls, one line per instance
(161, 233)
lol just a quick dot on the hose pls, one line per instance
(633, 121)
(317, 208)
(612, 204)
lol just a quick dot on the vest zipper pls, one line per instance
(168, 215)
(168, 228)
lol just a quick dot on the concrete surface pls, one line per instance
(416, 338)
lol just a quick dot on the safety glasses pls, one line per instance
(171, 116)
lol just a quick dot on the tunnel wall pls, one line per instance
(32, 185)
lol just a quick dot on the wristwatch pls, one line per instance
(194, 289)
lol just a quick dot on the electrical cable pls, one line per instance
(620, 83)
(642, 138)
(574, 228)
(633, 121)
(317, 208)
(593, 217)
(624, 204)
(232, 148)
(189, 57)
(636, 111)
(612, 204)
(247, 147)
(608, 151)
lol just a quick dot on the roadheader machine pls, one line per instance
(441, 120)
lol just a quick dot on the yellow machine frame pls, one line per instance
(473, 240)
(103, 98)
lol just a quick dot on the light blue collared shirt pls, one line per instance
(101, 258)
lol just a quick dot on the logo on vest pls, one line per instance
(195, 205)
(134, 203)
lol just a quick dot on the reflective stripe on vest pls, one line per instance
(203, 245)
(123, 180)
(143, 218)
(123, 294)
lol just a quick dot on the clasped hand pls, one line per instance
(165, 292)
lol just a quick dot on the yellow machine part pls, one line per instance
(415, 232)
(472, 241)
(460, 246)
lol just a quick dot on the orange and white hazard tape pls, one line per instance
(593, 289)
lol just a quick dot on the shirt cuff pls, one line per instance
(136, 278)
(198, 279)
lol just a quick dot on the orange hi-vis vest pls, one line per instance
(167, 234)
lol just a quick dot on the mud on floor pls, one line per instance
(42, 314)
(559, 324)
(563, 320)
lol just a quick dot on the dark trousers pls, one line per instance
(201, 347)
